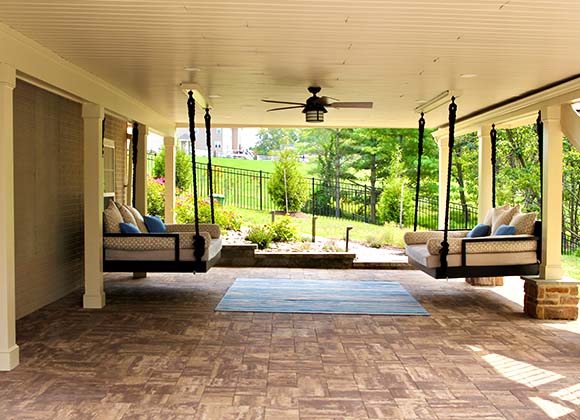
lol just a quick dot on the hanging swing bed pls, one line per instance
(457, 254)
(148, 245)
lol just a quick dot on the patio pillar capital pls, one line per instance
(169, 141)
(91, 110)
(7, 75)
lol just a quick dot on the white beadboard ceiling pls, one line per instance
(393, 53)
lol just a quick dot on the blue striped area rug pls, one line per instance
(320, 297)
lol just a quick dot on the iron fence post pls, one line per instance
(261, 197)
(313, 199)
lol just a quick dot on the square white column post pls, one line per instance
(485, 172)
(140, 187)
(170, 177)
(9, 352)
(93, 181)
(551, 264)
(443, 143)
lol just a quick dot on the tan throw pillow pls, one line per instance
(139, 219)
(112, 218)
(489, 216)
(524, 223)
(127, 215)
(503, 217)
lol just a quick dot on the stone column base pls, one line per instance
(551, 299)
(485, 281)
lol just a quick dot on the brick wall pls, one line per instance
(116, 130)
(48, 197)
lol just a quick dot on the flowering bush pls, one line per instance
(156, 197)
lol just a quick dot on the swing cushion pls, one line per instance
(421, 237)
(524, 223)
(112, 218)
(505, 230)
(479, 231)
(129, 228)
(154, 224)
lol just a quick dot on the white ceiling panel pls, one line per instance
(393, 53)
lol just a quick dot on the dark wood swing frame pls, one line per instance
(177, 265)
(464, 270)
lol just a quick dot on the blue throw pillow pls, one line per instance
(479, 231)
(154, 224)
(128, 228)
(505, 230)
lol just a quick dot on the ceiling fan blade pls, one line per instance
(326, 99)
(366, 105)
(285, 107)
(282, 102)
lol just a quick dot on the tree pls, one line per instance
(183, 174)
(288, 188)
(394, 190)
(272, 140)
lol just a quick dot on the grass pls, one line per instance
(332, 228)
(306, 169)
(571, 266)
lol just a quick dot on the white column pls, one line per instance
(235, 138)
(169, 143)
(485, 172)
(9, 353)
(93, 181)
(141, 172)
(443, 143)
(551, 264)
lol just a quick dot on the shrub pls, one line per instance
(390, 234)
(260, 235)
(227, 219)
(331, 246)
(288, 181)
(156, 197)
(284, 230)
(183, 175)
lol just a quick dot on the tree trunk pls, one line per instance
(337, 176)
(461, 182)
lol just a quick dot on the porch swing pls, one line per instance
(181, 248)
(452, 254)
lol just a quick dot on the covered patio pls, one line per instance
(81, 343)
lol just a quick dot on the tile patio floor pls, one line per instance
(159, 351)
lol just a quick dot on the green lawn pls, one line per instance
(254, 165)
(332, 228)
(571, 265)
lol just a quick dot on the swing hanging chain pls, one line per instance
(134, 143)
(199, 243)
(418, 183)
(445, 243)
(493, 137)
(207, 119)
(540, 131)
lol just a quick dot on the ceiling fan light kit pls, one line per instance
(314, 116)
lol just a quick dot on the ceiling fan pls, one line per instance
(315, 106)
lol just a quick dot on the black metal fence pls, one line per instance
(570, 243)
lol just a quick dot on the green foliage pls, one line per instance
(284, 230)
(183, 175)
(156, 197)
(287, 183)
(272, 140)
(390, 234)
(260, 235)
(226, 218)
(393, 188)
